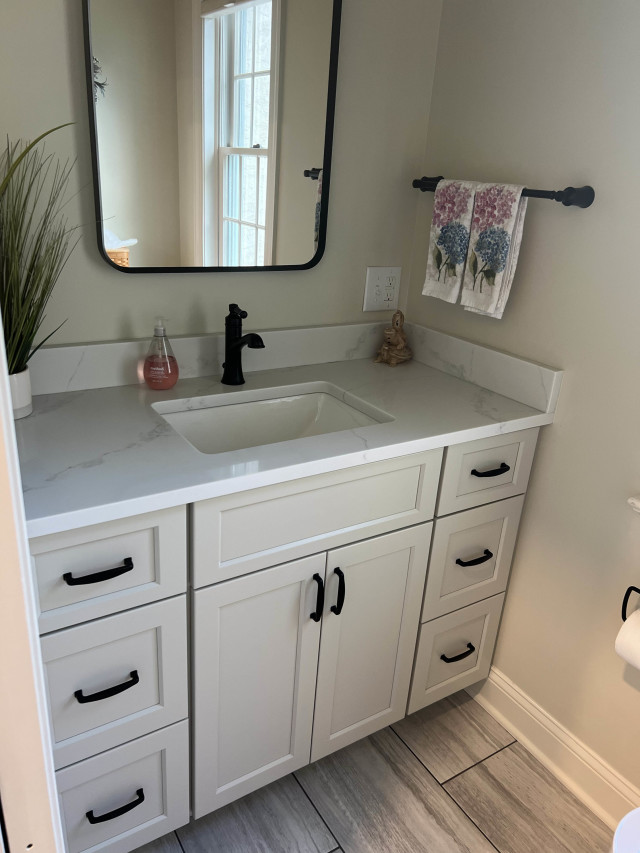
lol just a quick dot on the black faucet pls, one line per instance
(234, 340)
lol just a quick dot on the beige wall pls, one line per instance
(306, 48)
(138, 125)
(382, 111)
(545, 93)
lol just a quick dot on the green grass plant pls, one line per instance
(35, 243)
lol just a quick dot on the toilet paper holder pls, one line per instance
(625, 601)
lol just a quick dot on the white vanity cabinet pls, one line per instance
(479, 507)
(113, 620)
(321, 610)
(345, 620)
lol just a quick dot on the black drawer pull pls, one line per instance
(96, 577)
(478, 560)
(337, 607)
(625, 601)
(317, 614)
(92, 818)
(495, 472)
(134, 678)
(470, 650)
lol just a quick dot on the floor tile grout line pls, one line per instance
(470, 819)
(482, 760)
(317, 810)
(179, 842)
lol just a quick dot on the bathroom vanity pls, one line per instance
(211, 622)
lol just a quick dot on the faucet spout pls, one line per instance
(234, 341)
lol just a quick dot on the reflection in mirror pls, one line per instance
(207, 114)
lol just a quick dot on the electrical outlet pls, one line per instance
(382, 288)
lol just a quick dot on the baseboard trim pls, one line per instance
(608, 794)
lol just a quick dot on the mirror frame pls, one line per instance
(326, 163)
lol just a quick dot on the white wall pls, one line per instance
(545, 93)
(381, 104)
(138, 126)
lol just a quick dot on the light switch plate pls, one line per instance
(382, 288)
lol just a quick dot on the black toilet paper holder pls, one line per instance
(625, 601)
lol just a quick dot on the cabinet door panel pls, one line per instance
(367, 650)
(256, 651)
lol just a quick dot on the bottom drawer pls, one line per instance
(454, 651)
(127, 796)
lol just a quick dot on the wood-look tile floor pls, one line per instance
(448, 779)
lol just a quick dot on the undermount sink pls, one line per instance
(242, 419)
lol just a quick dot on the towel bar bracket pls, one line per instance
(569, 196)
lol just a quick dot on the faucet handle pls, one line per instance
(236, 311)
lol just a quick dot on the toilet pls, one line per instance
(627, 837)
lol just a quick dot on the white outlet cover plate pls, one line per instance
(382, 288)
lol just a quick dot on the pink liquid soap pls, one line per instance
(160, 372)
(160, 369)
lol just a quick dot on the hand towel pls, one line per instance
(449, 239)
(496, 234)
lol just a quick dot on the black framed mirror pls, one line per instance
(211, 125)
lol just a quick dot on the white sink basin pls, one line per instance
(241, 419)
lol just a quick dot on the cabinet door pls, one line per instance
(367, 647)
(256, 653)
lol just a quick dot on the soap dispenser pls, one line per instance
(160, 366)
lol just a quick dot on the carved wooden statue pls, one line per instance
(395, 349)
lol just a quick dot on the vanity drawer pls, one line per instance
(469, 635)
(91, 572)
(486, 470)
(482, 538)
(150, 775)
(240, 533)
(116, 679)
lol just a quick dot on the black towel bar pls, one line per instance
(570, 196)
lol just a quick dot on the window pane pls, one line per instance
(263, 37)
(261, 111)
(230, 255)
(248, 246)
(231, 191)
(244, 41)
(262, 192)
(242, 114)
(249, 188)
(260, 260)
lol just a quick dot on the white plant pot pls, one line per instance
(20, 385)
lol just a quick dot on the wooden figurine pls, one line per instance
(395, 349)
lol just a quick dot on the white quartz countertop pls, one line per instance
(102, 454)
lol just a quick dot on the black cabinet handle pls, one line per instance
(96, 577)
(478, 560)
(134, 678)
(337, 607)
(317, 614)
(495, 472)
(92, 818)
(470, 650)
(625, 601)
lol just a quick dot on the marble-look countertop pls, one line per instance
(102, 454)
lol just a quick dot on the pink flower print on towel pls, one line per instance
(451, 202)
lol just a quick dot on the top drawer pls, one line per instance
(94, 571)
(490, 469)
(240, 533)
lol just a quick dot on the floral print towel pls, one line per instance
(449, 239)
(496, 234)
